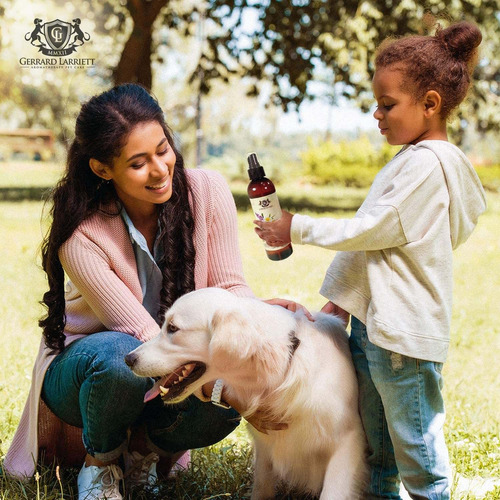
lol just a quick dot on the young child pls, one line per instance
(393, 273)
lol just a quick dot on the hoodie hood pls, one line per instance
(467, 197)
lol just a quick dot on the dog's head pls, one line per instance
(209, 334)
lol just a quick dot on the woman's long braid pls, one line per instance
(177, 223)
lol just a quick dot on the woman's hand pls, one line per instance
(276, 233)
(290, 305)
(331, 308)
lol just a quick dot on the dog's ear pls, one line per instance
(237, 341)
(234, 333)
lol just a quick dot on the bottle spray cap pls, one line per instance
(255, 170)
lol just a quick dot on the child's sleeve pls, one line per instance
(404, 213)
(378, 229)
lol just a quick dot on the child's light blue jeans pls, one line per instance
(402, 412)
(89, 385)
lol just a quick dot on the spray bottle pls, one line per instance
(265, 204)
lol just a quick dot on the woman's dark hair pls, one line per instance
(102, 129)
(443, 62)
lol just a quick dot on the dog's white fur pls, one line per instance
(247, 343)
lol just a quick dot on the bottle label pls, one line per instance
(267, 209)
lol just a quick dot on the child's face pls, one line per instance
(400, 117)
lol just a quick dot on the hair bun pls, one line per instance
(461, 40)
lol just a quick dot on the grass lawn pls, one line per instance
(472, 373)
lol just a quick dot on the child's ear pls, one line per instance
(432, 103)
(100, 169)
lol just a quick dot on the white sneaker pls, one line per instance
(99, 483)
(140, 470)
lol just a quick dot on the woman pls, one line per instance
(133, 231)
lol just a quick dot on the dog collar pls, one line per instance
(217, 395)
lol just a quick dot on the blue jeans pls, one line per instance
(89, 385)
(402, 411)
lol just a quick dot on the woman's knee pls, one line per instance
(117, 380)
(109, 343)
(108, 350)
(107, 373)
(191, 424)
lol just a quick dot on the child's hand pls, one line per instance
(331, 308)
(276, 233)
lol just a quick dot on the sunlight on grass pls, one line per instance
(29, 174)
(472, 385)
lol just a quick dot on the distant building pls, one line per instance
(37, 144)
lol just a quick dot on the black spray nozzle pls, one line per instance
(255, 170)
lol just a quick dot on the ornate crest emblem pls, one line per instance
(57, 33)
(57, 38)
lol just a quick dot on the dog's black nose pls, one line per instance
(130, 359)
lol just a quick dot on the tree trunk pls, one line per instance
(135, 62)
(199, 130)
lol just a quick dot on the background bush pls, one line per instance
(490, 176)
(352, 163)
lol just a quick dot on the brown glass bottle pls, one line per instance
(265, 204)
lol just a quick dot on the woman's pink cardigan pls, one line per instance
(104, 292)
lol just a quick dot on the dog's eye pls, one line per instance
(171, 328)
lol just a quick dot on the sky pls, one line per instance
(315, 115)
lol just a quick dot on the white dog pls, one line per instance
(300, 371)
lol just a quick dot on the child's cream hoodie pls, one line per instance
(394, 270)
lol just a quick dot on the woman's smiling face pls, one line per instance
(143, 173)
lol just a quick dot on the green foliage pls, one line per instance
(221, 471)
(290, 44)
(472, 452)
(293, 39)
(233, 167)
(490, 176)
(493, 494)
(346, 163)
(355, 163)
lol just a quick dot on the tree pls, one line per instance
(294, 37)
(286, 42)
(290, 39)
(135, 61)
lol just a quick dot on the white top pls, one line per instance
(394, 268)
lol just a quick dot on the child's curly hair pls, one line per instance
(443, 62)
